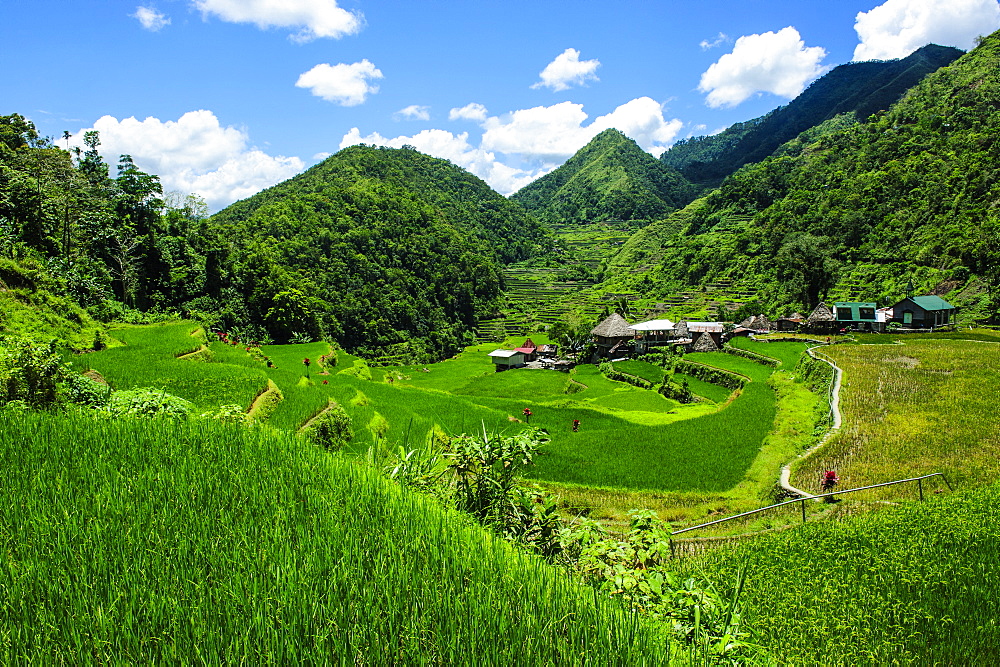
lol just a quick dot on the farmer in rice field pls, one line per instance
(527, 415)
(576, 425)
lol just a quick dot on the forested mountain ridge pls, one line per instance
(910, 195)
(860, 89)
(462, 199)
(610, 178)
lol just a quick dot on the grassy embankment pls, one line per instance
(201, 542)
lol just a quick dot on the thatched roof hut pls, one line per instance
(821, 313)
(614, 326)
(756, 323)
(705, 343)
(682, 329)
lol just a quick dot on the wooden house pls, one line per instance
(504, 359)
(923, 312)
(790, 323)
(611, 335)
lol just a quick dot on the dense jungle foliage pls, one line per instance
(382, 249)
(909, 195)
(860, 89)
(610, 178)
(378, 249)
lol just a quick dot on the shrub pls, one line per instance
(331, 428)
(147, 402)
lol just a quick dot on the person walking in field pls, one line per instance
(576, 425)
(527, 415)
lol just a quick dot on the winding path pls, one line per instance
(786, 471)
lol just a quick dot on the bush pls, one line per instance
(331, 428)
(148, 402)
(31, 373)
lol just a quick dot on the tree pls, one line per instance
(806, 268)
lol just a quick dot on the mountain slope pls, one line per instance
(859, 89)
(387, 251)
(610, 178)
(911, 194)
(463, 200)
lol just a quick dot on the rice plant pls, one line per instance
(207, 543)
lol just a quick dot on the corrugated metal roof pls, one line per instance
(504, 354)
(653, 325)
(700, 327)
(931, 302)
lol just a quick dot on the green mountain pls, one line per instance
(389, 251)
(857, 89)
(909, 195)
(499, 228)
(610, 178)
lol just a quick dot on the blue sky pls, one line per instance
(225, 97)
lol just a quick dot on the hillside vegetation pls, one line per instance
(610, 178)
(857, 89)
(388, 252)
(906, 196)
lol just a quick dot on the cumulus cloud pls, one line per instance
(150, 19)
(313, 18)
(533, 141)
(772, 62)
(896, 28)
(567, 70)
(456, 148)
(414, 112)
(471, 111)
(721, 39)
(194, 154)
(552, 134)
(347, 85)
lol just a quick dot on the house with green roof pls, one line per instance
(859, 316)
(923, 312)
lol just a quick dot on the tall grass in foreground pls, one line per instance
(197, 542)
(909, 585)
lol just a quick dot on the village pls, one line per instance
(615, 338)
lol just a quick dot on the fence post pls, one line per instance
(803, 506)
(920, 488)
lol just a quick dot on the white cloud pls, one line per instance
(533, 141)
(896, 28)
(455, 147)
(552, 134)
(194, 154)
(567, 70)
(347, 85)
(150, 18)
(314, 18)
(471, 111)
(721, 39)
(772, 62)
(321, 156)
(414, 112)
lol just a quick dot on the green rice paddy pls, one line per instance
(629, 437)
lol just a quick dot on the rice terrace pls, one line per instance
(573, 395)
